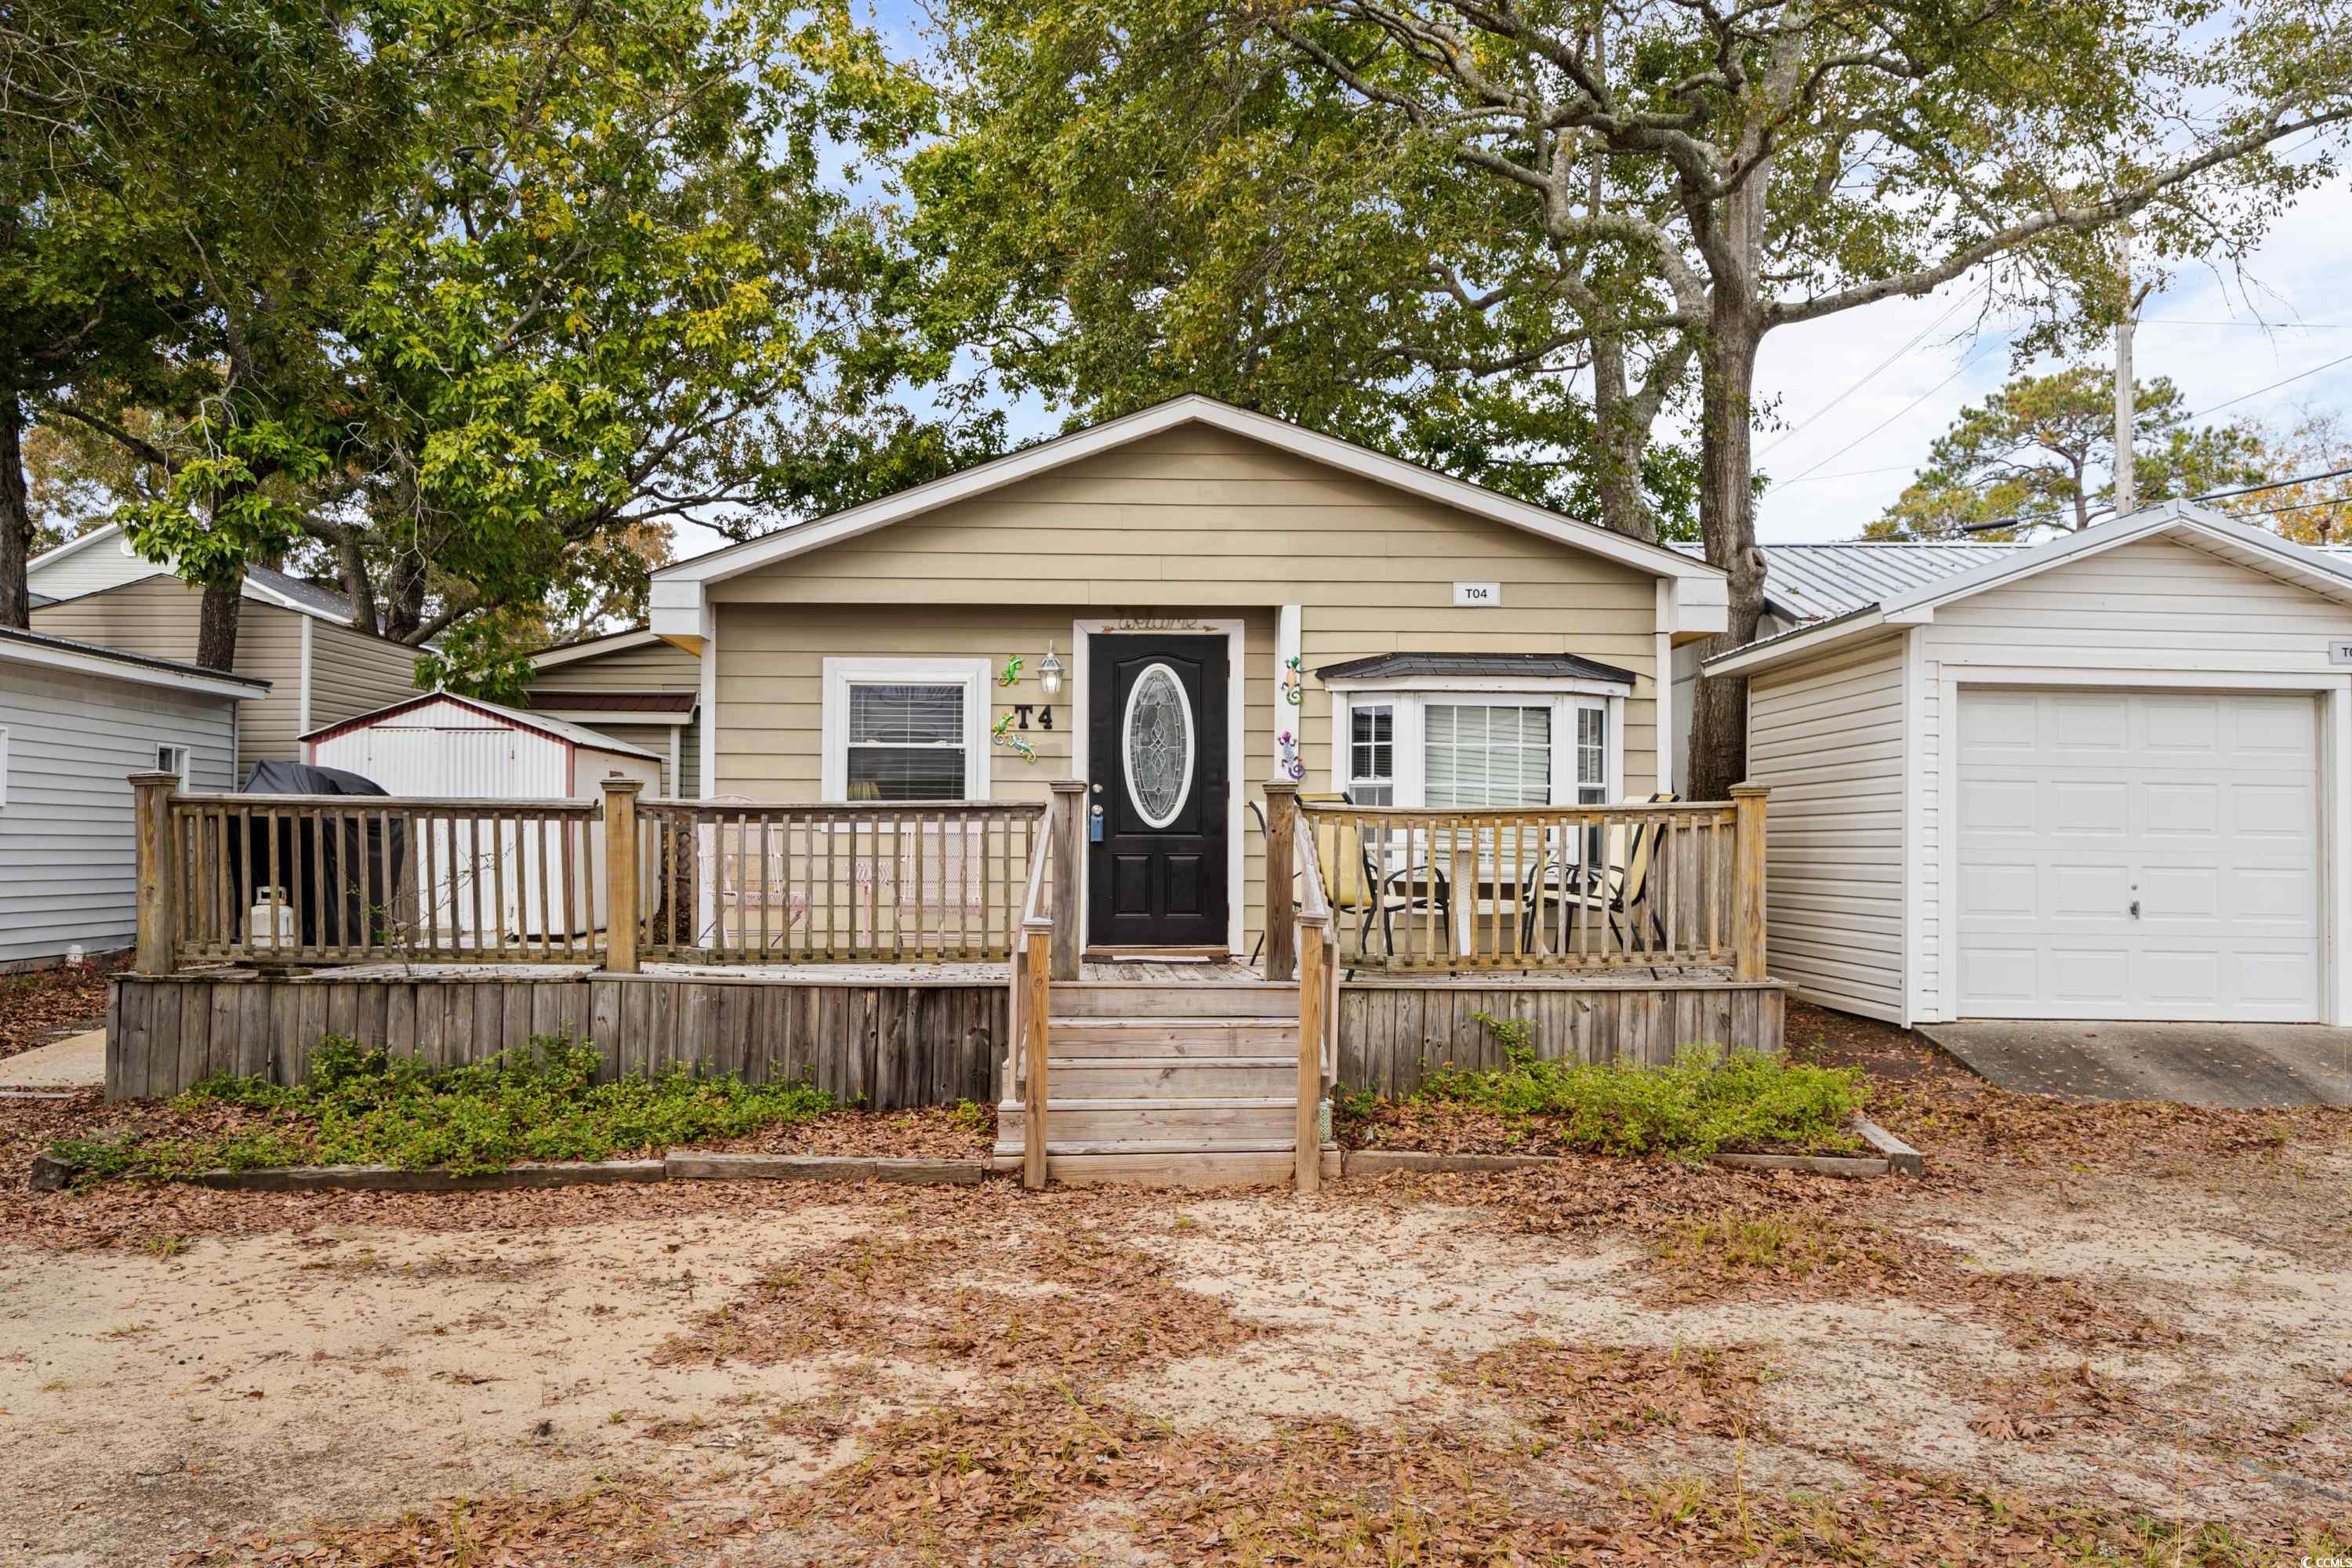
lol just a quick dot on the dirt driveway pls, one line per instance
(2071, 1352)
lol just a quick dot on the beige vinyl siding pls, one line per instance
(2140, 611)
(353, 673)
(1827, 738)
(1204, 520)
(771, 698)
(652, 666)
(67, 860)
(158, 617)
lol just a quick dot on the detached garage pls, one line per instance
(2105, 778)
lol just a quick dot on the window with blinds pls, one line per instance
(906, 742)
(1486, 756)
(1371, 754)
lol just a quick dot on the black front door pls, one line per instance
(1156, 748)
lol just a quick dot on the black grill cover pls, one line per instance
(360, 861)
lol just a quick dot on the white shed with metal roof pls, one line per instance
(2105, 777)
(448, 746)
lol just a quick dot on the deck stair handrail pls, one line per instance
(1554, 887)
(1318, 1010)
(1048, 951)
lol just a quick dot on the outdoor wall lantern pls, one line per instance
(1049, 671)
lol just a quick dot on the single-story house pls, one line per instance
(1179, 607)
(1812, 582)
(75, 721)
(294, 635)
(631, 686)
(2105, 777)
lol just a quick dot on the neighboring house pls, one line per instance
(1234, 599)
(1812, 581)
(75, 722)
(294, 634)
(635, 687)
(2108, 776)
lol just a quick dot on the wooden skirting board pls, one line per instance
(888, 1042)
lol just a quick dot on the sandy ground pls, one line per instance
(260, 1393)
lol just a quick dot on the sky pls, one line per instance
(2217, 337)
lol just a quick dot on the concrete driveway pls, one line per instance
(2196, 1064)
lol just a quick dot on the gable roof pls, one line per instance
(1808, 581)
(2326, 572)
(677, 587)
(63, 653)
(555, 729)
(281, 588)
(594, 646)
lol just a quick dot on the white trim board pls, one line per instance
(1236, 752)
(594, 647)
(96, 661)
(840, 674)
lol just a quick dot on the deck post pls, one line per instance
(1281, 906)
(1308, 1167)
(1034, 1045)
(1068, 871)
(158, 918)
(1747, 801)
(620, 874)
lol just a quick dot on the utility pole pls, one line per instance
(2127, 481)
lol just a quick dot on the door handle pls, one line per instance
(2135, 909)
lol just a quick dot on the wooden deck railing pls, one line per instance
(1048, 951)
(344, 878)
(807, 883)
(1551, 887)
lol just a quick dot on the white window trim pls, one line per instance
(972, 674)
(4, 765)
(186, 769)
(1410, 731)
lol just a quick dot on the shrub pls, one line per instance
(365, 1106)
(1708, 1100)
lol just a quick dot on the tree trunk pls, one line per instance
(1726, 520)
(351, 559)
(1620, 437)
(15, 519)
(217, 628)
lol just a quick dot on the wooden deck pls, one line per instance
(892, 1035)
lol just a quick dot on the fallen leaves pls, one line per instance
(40, 1005)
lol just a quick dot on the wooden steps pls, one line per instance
(1180, 1083)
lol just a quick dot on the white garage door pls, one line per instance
(2139, 854)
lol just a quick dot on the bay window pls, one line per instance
(1478, 751)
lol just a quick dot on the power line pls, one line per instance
(1899, 413)
(2275, 484)
(1842, 474)
(2265, 326)
(1920, 337)
(2273, 386)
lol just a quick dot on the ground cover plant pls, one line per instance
(363, 1106)
(1708, 1100)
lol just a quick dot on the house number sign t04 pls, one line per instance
(1478, 595)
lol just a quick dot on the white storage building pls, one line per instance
(2108, 777)
(443, 746)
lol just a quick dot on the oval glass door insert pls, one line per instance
(1156, 737)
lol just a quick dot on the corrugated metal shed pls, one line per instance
(1810, 582)
(441, 701)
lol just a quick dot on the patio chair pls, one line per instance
(1609, 887)
(1357, 885)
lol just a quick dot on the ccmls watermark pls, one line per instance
(2326, 1562)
